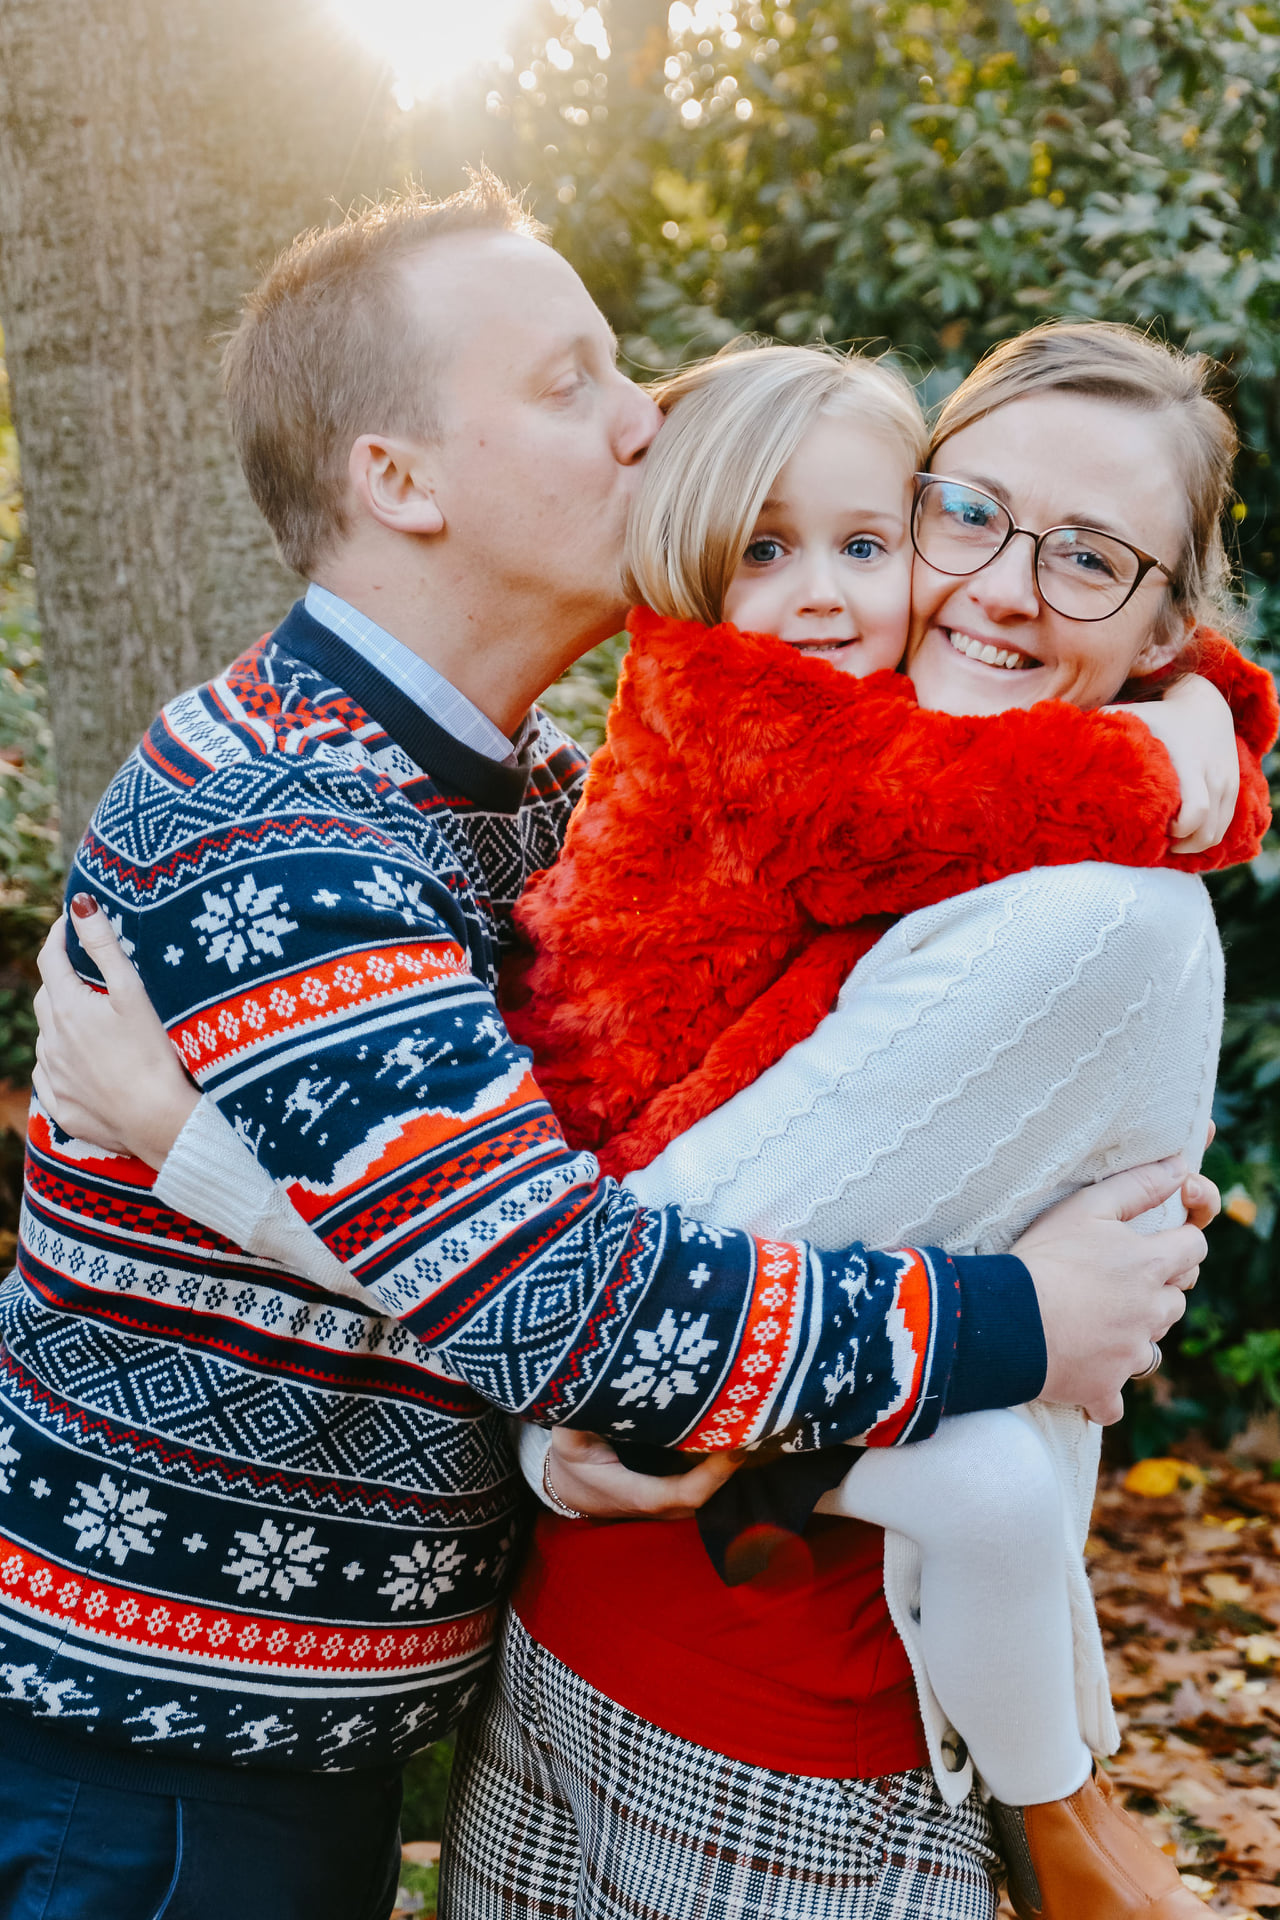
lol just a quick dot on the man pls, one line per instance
(257, 1525)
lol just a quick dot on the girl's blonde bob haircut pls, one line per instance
(733, 422)
(1103, 360)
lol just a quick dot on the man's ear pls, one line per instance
(394, 483)
(1164, 646)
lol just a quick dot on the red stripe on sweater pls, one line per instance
(739, 1409)
(909, 1321)
(116, 1616)
(419, 1134)
(300, 1000)
(81, 1159)
(462, 1178)
(152, 752)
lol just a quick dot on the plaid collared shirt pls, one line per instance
(438, 698)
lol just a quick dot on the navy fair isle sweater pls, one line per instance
(250, 1522)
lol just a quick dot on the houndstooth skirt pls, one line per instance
(565, 1806)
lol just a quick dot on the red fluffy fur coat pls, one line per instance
(753, 820)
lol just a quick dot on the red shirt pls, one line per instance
(799, 1670)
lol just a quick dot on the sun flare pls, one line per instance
(429, 44)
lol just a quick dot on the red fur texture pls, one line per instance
(752, 818)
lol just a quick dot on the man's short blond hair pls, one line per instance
(330, 347)
(733, 422)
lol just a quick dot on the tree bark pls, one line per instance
(153, 158)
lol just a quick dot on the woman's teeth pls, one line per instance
(990, 656)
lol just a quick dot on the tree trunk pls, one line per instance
(154, 155)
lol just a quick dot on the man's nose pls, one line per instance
(1006, 586)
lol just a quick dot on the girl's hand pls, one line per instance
(106, 1071)
(1194, 725)
(588, 1476)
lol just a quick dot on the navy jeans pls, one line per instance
(71, 1849)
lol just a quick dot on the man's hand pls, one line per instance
(1106, 1292)
(106, 1070)
(587, 1474)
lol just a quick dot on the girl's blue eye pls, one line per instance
(761, 552)
(863, 547)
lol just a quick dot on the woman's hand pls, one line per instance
(586, 1473)
(1194, 725)
(106, 1070)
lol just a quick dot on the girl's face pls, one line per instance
(828, 566)
(1057, 459)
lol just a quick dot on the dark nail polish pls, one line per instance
(82, 905)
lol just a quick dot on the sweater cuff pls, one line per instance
(212, 1176)
(1001, 1359)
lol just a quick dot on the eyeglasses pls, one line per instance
(1079, 572)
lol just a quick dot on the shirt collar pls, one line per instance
(437, 697)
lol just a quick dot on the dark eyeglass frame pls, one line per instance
(1147, 562)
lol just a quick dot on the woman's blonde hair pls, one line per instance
(1107, 361)
(733, 422)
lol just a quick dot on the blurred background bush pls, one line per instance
(921, 178)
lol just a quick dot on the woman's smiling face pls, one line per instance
(1056, 459)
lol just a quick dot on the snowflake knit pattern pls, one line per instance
(248, 1520)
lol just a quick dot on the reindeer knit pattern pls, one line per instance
(252, 1520)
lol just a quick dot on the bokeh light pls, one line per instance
(428, 45)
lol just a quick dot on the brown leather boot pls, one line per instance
(1085, 1859)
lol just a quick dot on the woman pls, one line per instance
(991, 1054)
(886, 1843)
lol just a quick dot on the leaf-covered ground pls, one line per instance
(1185, 1563)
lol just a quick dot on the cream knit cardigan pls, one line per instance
(989, 1056)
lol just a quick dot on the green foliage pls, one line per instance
(422, 1885)
(580, 699)
(426, 1781)
(935, 178)
(1228, 1361)
(29, 861)
(932, 177)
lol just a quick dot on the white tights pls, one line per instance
(981, 1500)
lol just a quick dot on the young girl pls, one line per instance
(749, 819)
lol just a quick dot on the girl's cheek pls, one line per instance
(893, 625)
(898, 599)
